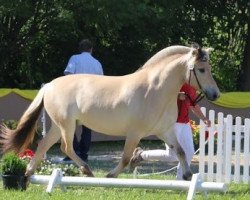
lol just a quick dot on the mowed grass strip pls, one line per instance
(37, 192)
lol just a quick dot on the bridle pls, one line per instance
(203, 58)
(201, 95)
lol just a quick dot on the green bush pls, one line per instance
(12, 164)
(196, 132)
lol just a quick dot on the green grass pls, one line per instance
(101, 168)
(37, 192)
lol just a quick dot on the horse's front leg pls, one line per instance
(129, 148)
(171, 140)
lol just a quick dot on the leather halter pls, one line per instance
(201, 94)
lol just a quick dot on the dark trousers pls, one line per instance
(82, 146)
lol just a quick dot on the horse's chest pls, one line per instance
(168, 118)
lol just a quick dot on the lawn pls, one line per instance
(35, 192)
(108, 156)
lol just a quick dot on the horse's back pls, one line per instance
(96, 101)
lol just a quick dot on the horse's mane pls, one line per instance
(169, 51)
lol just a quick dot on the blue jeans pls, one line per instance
(82, 146)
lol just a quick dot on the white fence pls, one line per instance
(226, 156)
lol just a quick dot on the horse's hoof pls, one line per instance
(187, 176)
(86, 171)
(110, 175)
(27, 181)
(90, 175)
(29, 173)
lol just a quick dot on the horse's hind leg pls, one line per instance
(51, 138)
(171, 140)
(68, 131)
(129, 148)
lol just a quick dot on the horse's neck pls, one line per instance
(163, 88)
(168, 77)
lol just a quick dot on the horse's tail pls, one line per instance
(19, 139)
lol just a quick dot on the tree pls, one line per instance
(31, 32)
(38, 37)
(221, 25)
(244, 80)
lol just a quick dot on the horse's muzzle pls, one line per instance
(212, 94)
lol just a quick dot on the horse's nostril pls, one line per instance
(215, 96)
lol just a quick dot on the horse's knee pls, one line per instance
(180, 152)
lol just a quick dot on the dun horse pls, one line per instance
(135, 105)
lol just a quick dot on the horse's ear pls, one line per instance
(194, 52)
(195, 45)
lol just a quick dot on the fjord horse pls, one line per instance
(135, 105)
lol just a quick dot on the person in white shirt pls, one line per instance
(83, 63)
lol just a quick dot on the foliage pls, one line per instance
(47, 167)
(196, 132)
(12, 164)
(38, 37)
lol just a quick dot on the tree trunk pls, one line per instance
(244, 79)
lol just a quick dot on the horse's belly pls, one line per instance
(106, 124)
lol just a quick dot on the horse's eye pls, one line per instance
(201, 70)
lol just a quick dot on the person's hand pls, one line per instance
(207, 122)
(181, 96)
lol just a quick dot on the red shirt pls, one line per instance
(184, 105)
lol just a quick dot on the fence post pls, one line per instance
(237, 150)
(228, 149)
(220, 156)
(246, 151)
(210, 170)
(202, 147)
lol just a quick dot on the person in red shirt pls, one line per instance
(186, 100)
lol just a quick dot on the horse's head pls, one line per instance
(199, 72)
